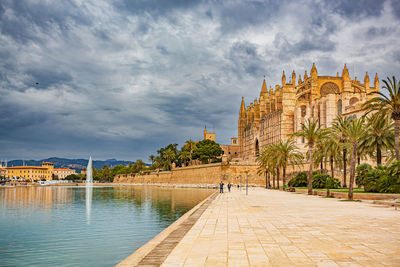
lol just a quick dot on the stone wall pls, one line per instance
(201, 174)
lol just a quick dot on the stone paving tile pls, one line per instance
(274, 228)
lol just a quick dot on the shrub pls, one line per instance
(332, 183)
(361, 173)
(299, 180)
(372, 177)
(389, 183)
(319, 180)
(394, 171)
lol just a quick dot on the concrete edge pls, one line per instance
(140, 253)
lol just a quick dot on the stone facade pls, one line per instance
(62, 173)
(279, 113)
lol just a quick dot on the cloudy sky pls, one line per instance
(119, 79)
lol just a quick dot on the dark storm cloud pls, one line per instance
(354, 9)
(123, 78)
(23, 19)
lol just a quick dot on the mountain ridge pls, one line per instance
(77, 164)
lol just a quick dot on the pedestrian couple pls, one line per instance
(221, 187)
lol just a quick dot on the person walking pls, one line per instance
(221, 187)
(229, 187)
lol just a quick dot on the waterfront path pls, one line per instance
(274, 228)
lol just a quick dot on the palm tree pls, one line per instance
(311, 132)
(390, 105)
(378, 137)
(184, 155)
(152, 158)
(169, 155)
(263, 166)
(287, 153)
(190, 146)
(338, 130)
(139, 165)
(332, 150)
(354, 131)
(267, 164)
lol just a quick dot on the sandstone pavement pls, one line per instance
(275, 228)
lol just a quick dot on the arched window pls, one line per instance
(339, 107)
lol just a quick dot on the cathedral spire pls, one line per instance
(283, 78)
(366, 80)
(305, 75)
(242, 107)
(376, 82)
(314, 72)
(345, 73)
(293, 78)
(300, 79)
(264, 89)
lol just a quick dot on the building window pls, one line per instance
(339, 107)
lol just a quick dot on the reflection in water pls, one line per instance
(89, 195)
(95, 226)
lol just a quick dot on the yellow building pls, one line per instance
(278, 113)
(62, 173)
(208, 136)
(34, 173)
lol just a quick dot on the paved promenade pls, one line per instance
(273, 228)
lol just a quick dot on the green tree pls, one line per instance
(165, 161)
(287, 153)
(190, 146)
(390, 105)
(152, 158)
(354, 131)
(379, 136)
(184, 156)
(337, 131)
(139, 166)
(311, 132)
(268, 163)
(169, 156)
(332, 150)
(207, 150)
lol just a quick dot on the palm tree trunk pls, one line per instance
(266, 179)
(322, 167)
(273, 180)
(332, 169)
(310, 147)
(352, 170)
(284, 176)
(277, 175)
(378, 155)
(344, 167)
(396, 138)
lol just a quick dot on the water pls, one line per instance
(79, 226)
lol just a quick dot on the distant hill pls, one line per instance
(77, 164)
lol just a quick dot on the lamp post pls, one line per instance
(247, 182)
(240, 185)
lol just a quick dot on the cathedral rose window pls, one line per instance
(329, 88)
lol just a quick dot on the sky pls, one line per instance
(120, 79)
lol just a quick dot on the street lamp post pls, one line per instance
(247, 182)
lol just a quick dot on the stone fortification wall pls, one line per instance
(199, 175)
